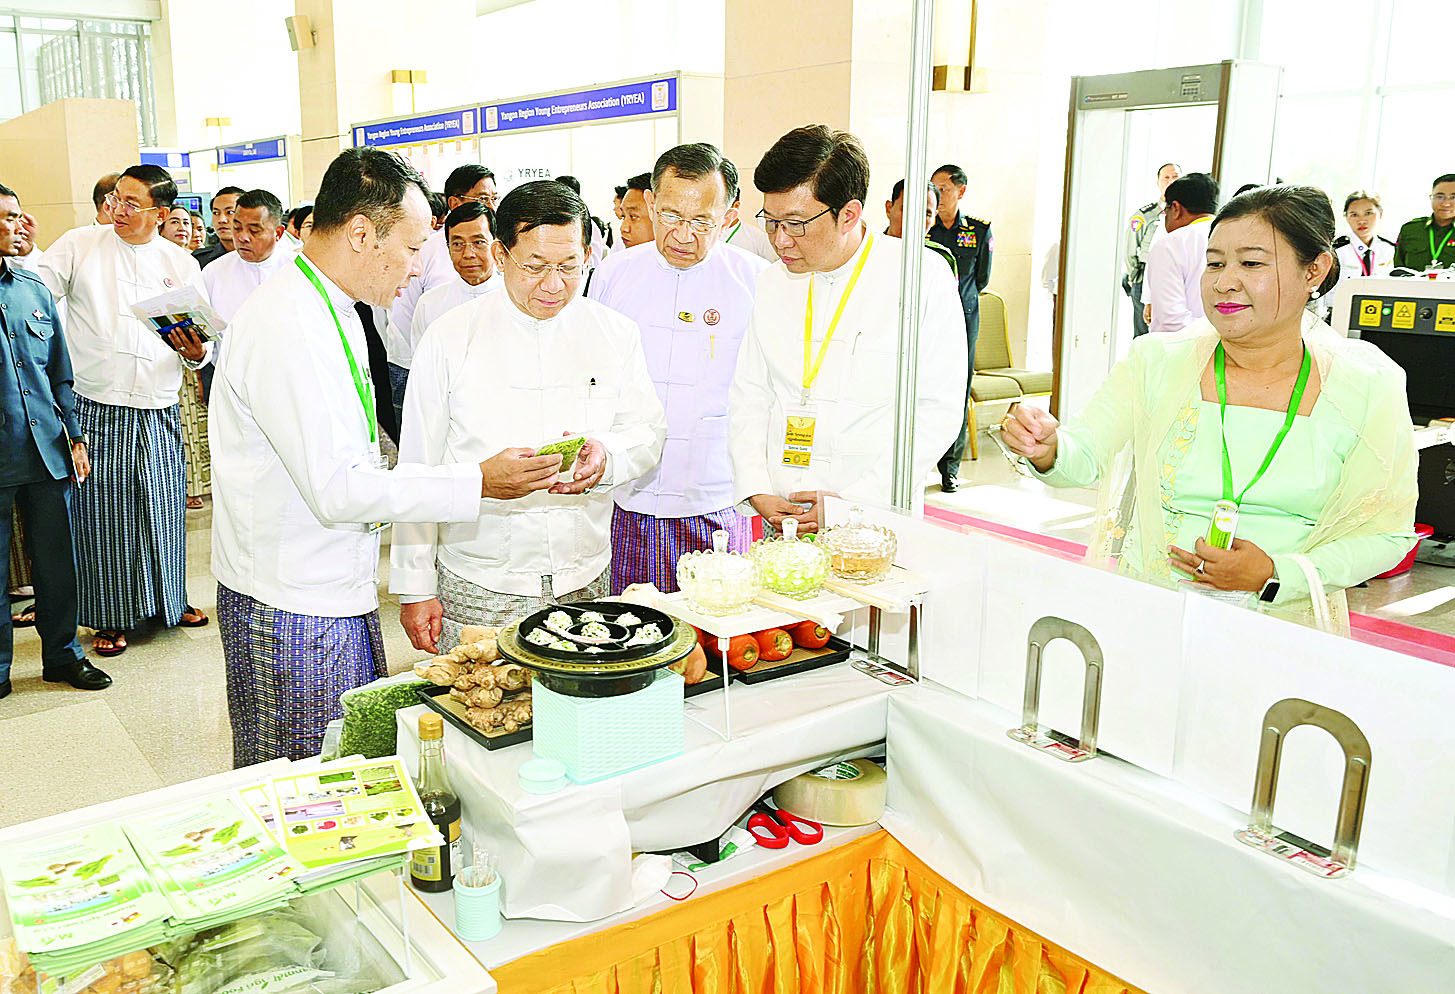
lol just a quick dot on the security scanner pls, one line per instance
(1412, 320)
(1215, 118)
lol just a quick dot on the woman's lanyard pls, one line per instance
(1435, 252)
(810, 371)
(1220, 371)
(361, 381)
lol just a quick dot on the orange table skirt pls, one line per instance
(867, 917)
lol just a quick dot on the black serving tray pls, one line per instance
(800, 660)
(453, 711)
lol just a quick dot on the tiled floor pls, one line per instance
(165, 719)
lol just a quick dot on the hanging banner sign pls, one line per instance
(604, 103)
(167, 160)
(415, 130)
(233, 155)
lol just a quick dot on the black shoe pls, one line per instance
(949, 484)
(5, 687)
(82, 676)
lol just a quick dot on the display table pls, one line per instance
(569, 853)
(865, 915)
(1140, 875)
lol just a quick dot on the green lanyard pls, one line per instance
(1220, 368)
(1435, 252)
(361, 381)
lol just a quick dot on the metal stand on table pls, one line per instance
(1049, 740)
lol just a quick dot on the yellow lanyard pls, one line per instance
(811, 366)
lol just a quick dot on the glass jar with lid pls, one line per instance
(860, 552)
(719, 582)
(791, 566)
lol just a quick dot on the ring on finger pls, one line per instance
(1200, 564)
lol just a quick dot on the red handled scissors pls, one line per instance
(774, 828)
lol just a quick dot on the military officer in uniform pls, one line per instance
(1143, 227)
(1429, 242)
(969, 240)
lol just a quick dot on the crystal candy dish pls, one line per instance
(719, 582)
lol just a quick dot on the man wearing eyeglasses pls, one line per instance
(692, 295)
(469, 233)
(129, 517)
(811, 409)
(470, 183)
(493, 381)
(1429, 242)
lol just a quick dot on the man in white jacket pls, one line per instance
(1175, 263)
(129, 520)
(494, 380)
(298, 481)
(811, 409)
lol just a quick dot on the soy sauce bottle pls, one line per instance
(433, 868)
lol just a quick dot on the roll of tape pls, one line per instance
(849, 793)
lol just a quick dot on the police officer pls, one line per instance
(1429, 242)
(1141, 229)
(968, 239)
(44, 451)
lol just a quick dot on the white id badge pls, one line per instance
(798, 433)
(379, 462)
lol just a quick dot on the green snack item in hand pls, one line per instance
(369, 729)
(569, 447)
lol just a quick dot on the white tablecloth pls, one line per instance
(1139, 875)
(567, 856)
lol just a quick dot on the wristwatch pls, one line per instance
(82, 439)
(1270, 588)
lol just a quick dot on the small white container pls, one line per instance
(542, 776)
(477, 910)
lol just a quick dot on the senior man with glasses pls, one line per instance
(692, 294)
(493, 381)
(129, 518)
(811, 409)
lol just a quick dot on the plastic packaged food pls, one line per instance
(791, 566)
(859, 552)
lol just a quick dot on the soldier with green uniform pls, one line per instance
(1429, 242)
(894, 210)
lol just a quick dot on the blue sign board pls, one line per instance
(190, 201)
(416, 130)
(167, 160)
(604, 103)
(233, 155)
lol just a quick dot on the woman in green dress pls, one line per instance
(1306, 433)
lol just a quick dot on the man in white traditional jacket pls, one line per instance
(470, 183)
(129, 518)
(469, 232)
(692, 296)
(812, 404)
(260, 250)
(298, 481)
(496, 379)
(1173, 281)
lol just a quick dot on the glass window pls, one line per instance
(1330, 51)
(10, 102)
(1317, 143)
(1411, 153)
(1413, 59)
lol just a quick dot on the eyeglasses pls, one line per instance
(488, 199)
(567, 271)
(120, 208)
(795, 228)
(699, 226)
(1442, 198)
